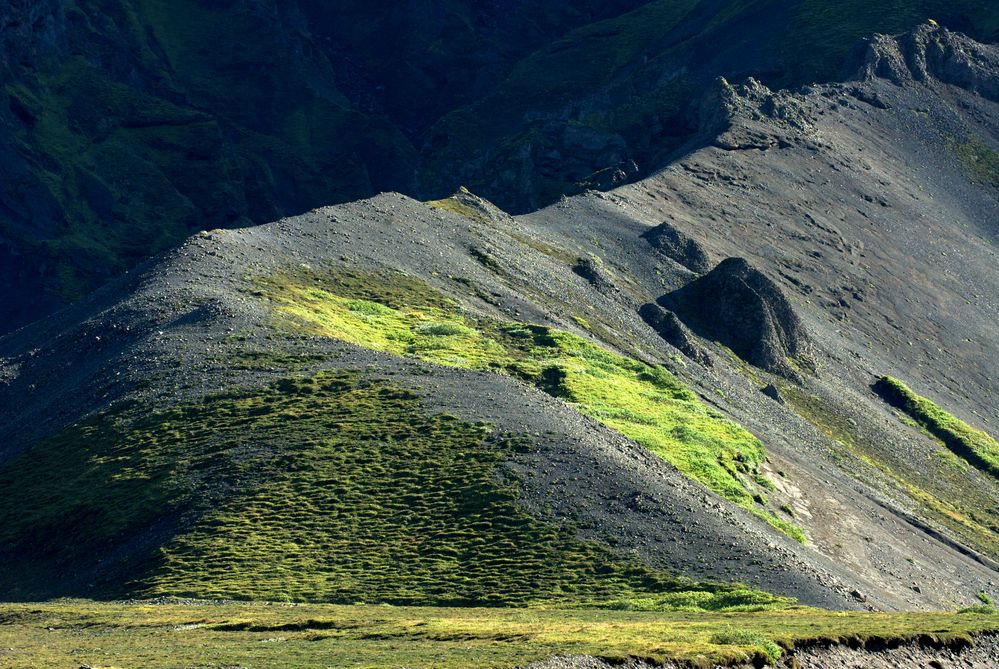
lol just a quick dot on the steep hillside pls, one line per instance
(666, 396)
(126, 125)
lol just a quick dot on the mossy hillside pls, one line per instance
(136, 162)
(98, 183)
(269, 636)
(645, 403)
(975, 446)
(326, 488)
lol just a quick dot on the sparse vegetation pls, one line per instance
(980, 160)
(743, 637)
(942, 492)
(275, 636)
(464, 204)
(647, 404)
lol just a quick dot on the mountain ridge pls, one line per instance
(152, 150)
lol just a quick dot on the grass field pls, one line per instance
(74, 633)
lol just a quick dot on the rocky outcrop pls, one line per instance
(592, 269)
(611, 177)
(751, 116)
(739, 306)
(680, 247)
(771, 391)
(674, 332)
(933, 52)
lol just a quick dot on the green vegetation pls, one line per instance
(98, 183)
(645, 403)
(74, 633)
(742, 637)
(325, 488)
(117, 170)
(975, 446)
(980, 160)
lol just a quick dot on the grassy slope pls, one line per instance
(329, 488)
(71, 633)
(975, 446)
(645, 403)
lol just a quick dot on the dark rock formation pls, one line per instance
(591, 269)
(611, 177)
(28, 27)
(933, 52)
(673, 331)
(771, 391)
(740, 307)
(678, 246)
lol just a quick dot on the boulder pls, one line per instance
(740, 307)
(679, 247)
(592, 269)
(669, 327)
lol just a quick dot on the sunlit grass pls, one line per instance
(324, 488)
(643, 402)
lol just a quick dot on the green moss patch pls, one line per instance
(940, 487)
(645, 403)
(980, 160)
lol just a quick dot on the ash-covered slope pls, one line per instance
(218, 422)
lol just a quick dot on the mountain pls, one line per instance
(127, 125)
(765, 371)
